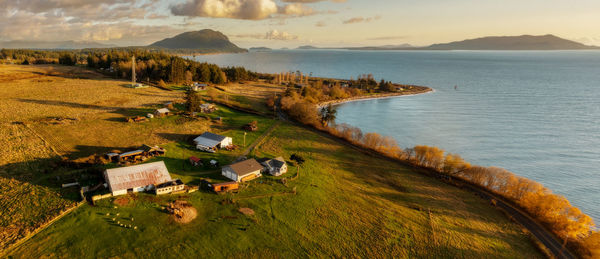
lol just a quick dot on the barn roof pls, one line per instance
(123, 178)
(209, 139)
(163, 110)
(245, 167)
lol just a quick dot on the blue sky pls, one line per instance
(290, 23)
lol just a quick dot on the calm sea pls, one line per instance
(535, 113)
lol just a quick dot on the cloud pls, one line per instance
(241, 9)
(361, 19)
(237, 9)
(312, 1)
(270, 35)
(296, 10)
(320, 24)
(276, 35)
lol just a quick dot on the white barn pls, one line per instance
(243, 171)
(210, 142)
(137, 178)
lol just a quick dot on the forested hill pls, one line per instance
(204, 41)
(523, 42)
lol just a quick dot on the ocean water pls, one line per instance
(535, 113)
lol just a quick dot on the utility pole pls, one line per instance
(245, 139)
(133, 71)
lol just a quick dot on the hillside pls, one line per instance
(524, 42)
(205, 41)
(342, 203)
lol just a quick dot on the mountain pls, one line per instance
(307, 47)
(385, 47)
(260, 49)
(205, 41)
(21, 44)
(523, 42)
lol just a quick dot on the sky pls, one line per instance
(292, 23)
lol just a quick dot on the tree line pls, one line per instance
(149, 65)
(567, 222)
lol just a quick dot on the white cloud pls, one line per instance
(237, 9)
(276, 35)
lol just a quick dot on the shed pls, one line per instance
(174, 186)
(208, 107)
(275, 166)
(136, 178)
(210, 142)
(131, 155)
(195, 161)
(224, 187)
(243, 171)
(162, 112)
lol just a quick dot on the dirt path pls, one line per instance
(259, 140)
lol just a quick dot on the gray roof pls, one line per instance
(277, 162)
(245, 167)
(209, 139)
(123, 178)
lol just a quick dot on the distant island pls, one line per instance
(523, 42)
(307, 47)
(206, 41)
(260, 49)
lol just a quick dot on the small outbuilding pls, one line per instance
(243, 171)
(198, 86)
(162, 112)
(275, 166)
(210, 142)
(174, 186)
(195, 161)
(208, 107)
(136, 178)
(224, 187)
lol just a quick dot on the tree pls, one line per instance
(192, 101)
(328, 114)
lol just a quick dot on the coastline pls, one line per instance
(419, 90)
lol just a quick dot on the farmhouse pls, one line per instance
(174, 186)
(162, 112)
(136, 178)
(275, 166)
(243, 171)
(210, 142)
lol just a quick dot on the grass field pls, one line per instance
(343, 203)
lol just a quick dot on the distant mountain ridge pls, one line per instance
(69, 44)
(523, 42)
(205, 40)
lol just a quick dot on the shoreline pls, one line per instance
(421, 90)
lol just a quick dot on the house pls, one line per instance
(198, 87)
(174, 186)
(275, 166)
(162, 112)
(208, 107)
(243, 171)
(136, 178)
(224, 187)
(210, 142)
(195, 161)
